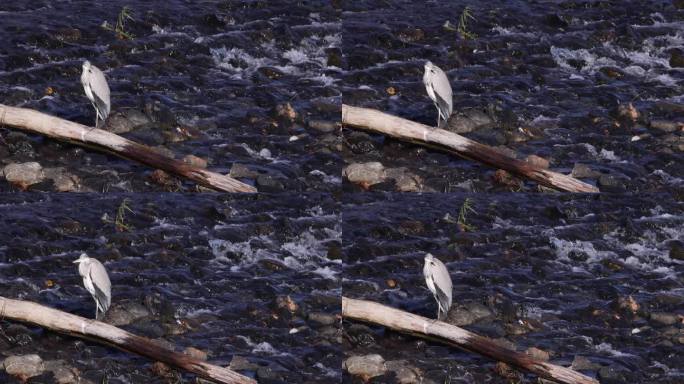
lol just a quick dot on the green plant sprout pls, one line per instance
(120, 28)
(120, 222)
(462, 221)
(463, 24)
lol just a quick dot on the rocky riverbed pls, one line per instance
(246, 88)
(593, 88)
(592, 282)
(246, 282)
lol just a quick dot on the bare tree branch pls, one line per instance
(406, 130)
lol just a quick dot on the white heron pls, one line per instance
(439, 282)
(96, 281)
(439, 89)
(97, 90)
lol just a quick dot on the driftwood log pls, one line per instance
(64, 130)
(371, 312)
(66, 323)
(406, 130)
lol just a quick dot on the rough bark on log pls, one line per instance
(62, 322)
(64, 130)
(371, 312)
(402, 129)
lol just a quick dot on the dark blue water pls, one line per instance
(208, 271)
(208, 75)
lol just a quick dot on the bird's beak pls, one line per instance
(76, 261)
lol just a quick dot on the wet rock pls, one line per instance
(195, 161)
(24, 175)
(118, 123)
(583, 171)
(677, 58)
(323, 125)
(515, 329)
(612, 72)
(627, 113)
(172, 329)
(20, 145)
(68, 34)
(505, 179)
(676, 250)
(404, 180)
(160, 369)
(286, 302)
(124, 314)
(612, 374)
(610, 183)
(581, 363)
(322, 318)
(240, 363)
(62, 373)
(411, 227)
(265, 153)
(516, 137)
(537, 354)
(556, 21)
(195, 353)
(285, 112)
(664, 318)
(271, 72)
(162, 115)
(164, 151)
(504, 370)
(63, 180)
(364, 174)
(505, 343)
(411, 35)
(626, 305)
(24, 367)
(666, 126)
(334, 56)
(469, 121)
(366, 367)
(467, 314)
(268, 374)
(360, 143)
(239, 170)
(20, 334)
(669, 299)
(404, 372)
(162, 178)
(268, 183)
(537, 161)
(506, 151)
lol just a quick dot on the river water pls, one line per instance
(542, 78)
(595, 277)
(206, 76)
(233, 276)
(255, 88)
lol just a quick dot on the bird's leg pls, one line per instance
(91, 129)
